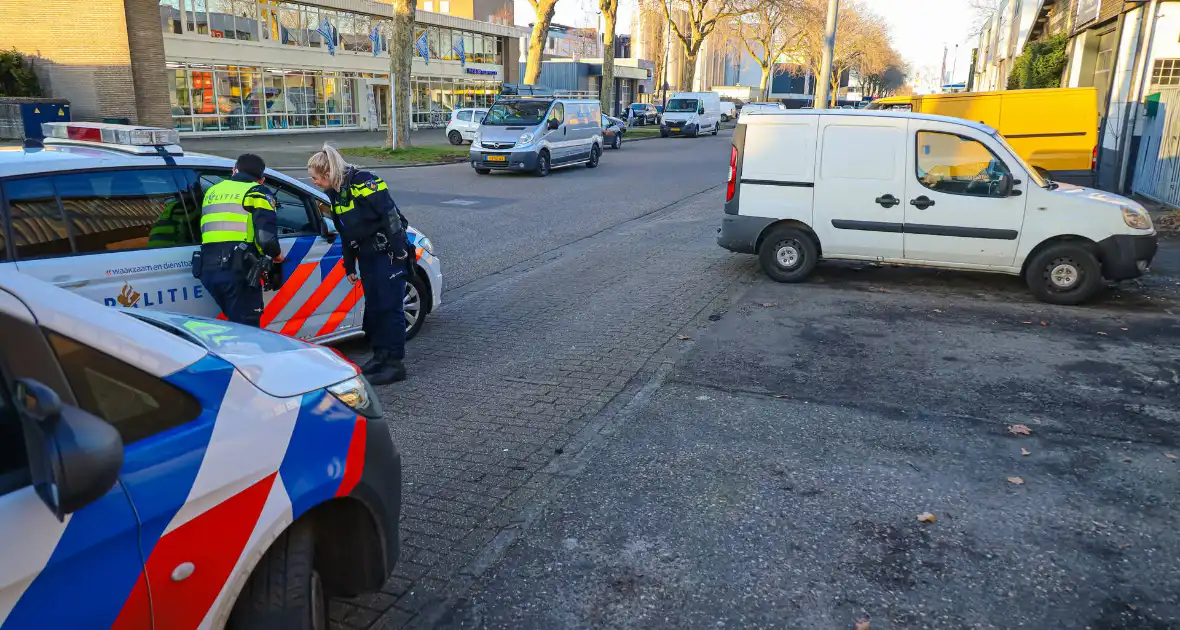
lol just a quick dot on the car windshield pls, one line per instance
(639, 106)
(682, 105)
(1032, 172)
(522, 113)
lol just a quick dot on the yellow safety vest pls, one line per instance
(227, 214)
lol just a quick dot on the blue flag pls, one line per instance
(325, 31)
(423, 47)
(462, 52)
(375, 37)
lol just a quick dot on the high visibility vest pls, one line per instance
(360, 191)
(226, 215)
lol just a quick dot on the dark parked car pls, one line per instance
(645, 113)
(613, 130)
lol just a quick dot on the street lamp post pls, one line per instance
(667, 48)
(825, 70)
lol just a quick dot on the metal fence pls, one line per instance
(1157, 167)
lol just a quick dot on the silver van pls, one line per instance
(537, 134)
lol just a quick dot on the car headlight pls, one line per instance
(525, 139)
(425, 244)
(358, 396)
(1137, 219)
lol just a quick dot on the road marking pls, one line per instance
(461, 202)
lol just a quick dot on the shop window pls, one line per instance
(1165, 72)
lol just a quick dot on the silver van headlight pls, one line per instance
(1137, 219)
(525, 139)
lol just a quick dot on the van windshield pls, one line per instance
(523, 113)
(682, 105)
(1032, 172)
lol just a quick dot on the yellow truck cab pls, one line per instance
(1053, 129)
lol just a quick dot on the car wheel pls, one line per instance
(1065, 273)
(618, 142)
(284, 591)
(483, 171)
(542, 164)
(414, 305)
(594, 154)
(788, 255)
(455, 137)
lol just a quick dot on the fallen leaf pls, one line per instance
(1019, 429)
(1016, 481)
(683, 337)
(1132, 607)
(1044, 323)
(861, 624)
(1170, 455)
(926, 517)
(1029, 323)
(1100, 333)
(782, 396)
(769, 305)
(1025, 452)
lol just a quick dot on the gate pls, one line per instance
(1157, 167)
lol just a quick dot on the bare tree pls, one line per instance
(610, 15)
(859, 33)
(401, 57)
(652, 25)
(981, 12)
(701, 18)
(768, 33)
(544, 10)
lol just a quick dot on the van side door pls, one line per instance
(558, 138)
(860, 186)
(957, 210)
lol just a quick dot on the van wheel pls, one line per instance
(542, 164)
(284, 591)
(715, 126)
(788, 255)
(455, 137)
(594, 155)
(1065, 273)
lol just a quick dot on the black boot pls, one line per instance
(375, 364)
(389, 372)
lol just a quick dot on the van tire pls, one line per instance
(1066, 273)
(483, 171)
(455, 137)
(594, 155)
(715, 127)
(284, 591)
(788, 255)
(542, 164)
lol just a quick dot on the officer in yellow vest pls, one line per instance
(238, 226)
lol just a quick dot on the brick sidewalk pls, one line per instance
(508, 384)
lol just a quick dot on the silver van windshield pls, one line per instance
(522, 113)
(682, 105)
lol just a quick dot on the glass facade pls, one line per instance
(224, 98)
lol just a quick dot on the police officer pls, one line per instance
(238, 228)
(373, 233)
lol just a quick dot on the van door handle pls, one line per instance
(888, 201)
(922, 202)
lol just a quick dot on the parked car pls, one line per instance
(728, 111)
(537, 134)
(177, 471)
(645, 113)
(464, 123)
(613, 130)
(920, 189)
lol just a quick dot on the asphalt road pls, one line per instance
(613, 423)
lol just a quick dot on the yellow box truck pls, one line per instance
(1055, 130)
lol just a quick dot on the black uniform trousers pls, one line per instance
(384, 323)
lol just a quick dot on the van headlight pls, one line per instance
(524, 140)
(1137, 219)
(475, 139)
(358, 396)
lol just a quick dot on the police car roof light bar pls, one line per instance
(105, 133)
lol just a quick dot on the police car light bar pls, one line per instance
(127, 135)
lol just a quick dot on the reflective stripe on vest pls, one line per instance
(223, 217)
(374, 185)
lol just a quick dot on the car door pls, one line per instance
(559, 145)
(956, 209)
(123, 237)
(92, 556)
(463, 123)
(859, 186)
(315, 298)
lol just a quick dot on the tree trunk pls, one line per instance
(688, 71)
(606, 93)
(544, 10)
(401, 57)
(764, 83)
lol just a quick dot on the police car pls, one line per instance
(172, 471)
(112, 212)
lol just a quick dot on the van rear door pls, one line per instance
(860, 186)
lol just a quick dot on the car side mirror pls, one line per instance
(74, 457)
(327, 229)
(554, 123)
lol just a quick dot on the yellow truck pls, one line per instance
(1055, 130)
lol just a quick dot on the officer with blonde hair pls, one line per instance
(373, 233)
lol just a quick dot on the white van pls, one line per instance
(924, 190)
(691, 114)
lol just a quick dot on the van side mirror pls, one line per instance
(701, 109)
(327, 229)
(74, 457)
(554, 124)
(1004, 186)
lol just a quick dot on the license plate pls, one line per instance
(497, 158)
(675, 128)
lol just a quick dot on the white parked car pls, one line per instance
(728, 111)
(918, 189)
(464, 123)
